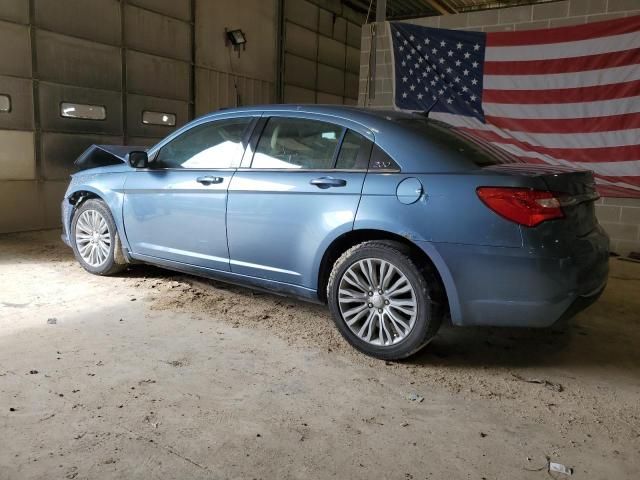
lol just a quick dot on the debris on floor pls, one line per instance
(541, 381)
(52, 321)
(414, 397)
(560, 468)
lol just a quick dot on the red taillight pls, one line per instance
(521, 205)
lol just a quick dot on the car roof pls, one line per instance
(368, 117)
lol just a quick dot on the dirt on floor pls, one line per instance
(153, 374)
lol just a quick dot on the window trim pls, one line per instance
(249, 129)
(151, 124)
(104, 107)
(10, 103)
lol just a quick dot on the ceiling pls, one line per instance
(397, 9)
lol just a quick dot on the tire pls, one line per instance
(416, 301)
(94, 216)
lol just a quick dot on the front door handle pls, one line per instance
(328, 182)
(208, 180)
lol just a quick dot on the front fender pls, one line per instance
(106, 186)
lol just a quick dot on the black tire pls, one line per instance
(110, 266)
(423, 280)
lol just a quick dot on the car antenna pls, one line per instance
(428, 110)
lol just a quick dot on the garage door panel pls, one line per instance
(354, 34)
(340, 30)
(56, 16)
(158, 34)
(60, 150)
(301, 41)
(293, 94)
(137, 104)
(174, 8)
(51, 96)
(158, 76)
(14, 11)
(143, 141)
(78, 62)
(15, 50)
(351, 85)
(20, 94)
(353, 60)
(17, 158)
(329, 99)
(299, 71)
(331, 52)
(330, 80)
(302, 12)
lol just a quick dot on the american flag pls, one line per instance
(566, 96)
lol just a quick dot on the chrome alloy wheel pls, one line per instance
(93, 238)
(377, 302)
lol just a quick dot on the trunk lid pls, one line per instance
(576, 190)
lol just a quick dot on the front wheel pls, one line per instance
(382, 302)
(94, 238)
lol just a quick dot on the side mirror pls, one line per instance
(138, 159)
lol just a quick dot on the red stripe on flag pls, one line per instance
(572, 125)
(564, 34)
(563, 95)
(564, 65)
(601, 154)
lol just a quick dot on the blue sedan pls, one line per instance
(396, 221)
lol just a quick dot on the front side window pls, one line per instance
(211, 145)
(297, 143)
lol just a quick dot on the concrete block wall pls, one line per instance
(619, 216)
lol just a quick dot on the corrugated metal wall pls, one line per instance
(322, 55)
(125, 57)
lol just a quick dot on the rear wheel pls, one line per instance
(94, 238)
(382, 302)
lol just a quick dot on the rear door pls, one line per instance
(299, 186)
(175, 210)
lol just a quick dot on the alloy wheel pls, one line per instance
(377, 302)
(93, 238)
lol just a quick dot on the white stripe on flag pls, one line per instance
(615, 138)
(602, 108)
(579, 48)
(618, 138)
(610, 169)
(588, 78)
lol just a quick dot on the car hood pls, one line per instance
(105, 155)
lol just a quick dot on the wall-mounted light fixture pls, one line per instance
(236, 38)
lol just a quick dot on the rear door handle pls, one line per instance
(208, 180)
(328, 182)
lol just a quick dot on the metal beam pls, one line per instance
(436, 5)
(381, 10)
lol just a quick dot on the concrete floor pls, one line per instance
(159, 375)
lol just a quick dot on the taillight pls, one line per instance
(524, 206)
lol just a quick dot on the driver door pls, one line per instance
(175, 210)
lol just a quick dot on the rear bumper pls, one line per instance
(518, 287)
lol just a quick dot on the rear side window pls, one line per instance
(297, 143)
(212, 145)
(479, 151)
(354, 152)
